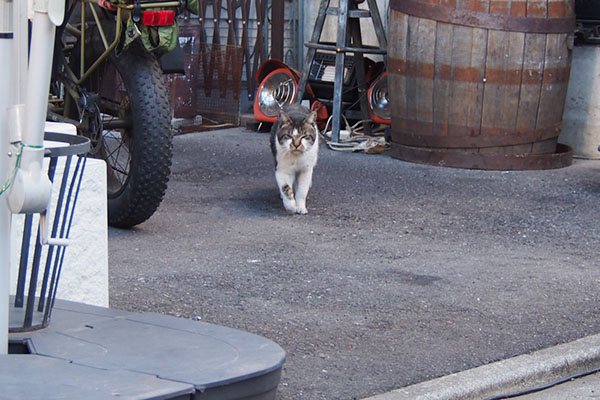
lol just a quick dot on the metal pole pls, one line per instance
(6, 85)
(277, 21)
(300, 34)
(338, 83)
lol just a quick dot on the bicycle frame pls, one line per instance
(122, 13)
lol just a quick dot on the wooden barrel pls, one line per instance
(479, 83)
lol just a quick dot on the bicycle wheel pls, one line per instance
(136, 135)
(123, 107)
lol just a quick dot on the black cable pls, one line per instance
(544, 387)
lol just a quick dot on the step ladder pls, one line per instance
(349, 40)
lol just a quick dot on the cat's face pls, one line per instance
(297, 136)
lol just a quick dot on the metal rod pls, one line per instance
(300, 34)
(342, 35)
(104, 55)
(35, 268)
(99, 24)
(51, 172)
(22, 277)
(121, 123)
(82, 41)
(150, 5)
(59, 220)
(378, 24)
(348, 49)
(359, 68)
(66, 227)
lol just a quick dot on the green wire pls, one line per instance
(11, 178)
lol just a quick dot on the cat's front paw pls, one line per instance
(290, 206)
(301, 210)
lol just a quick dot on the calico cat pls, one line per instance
(295, 147)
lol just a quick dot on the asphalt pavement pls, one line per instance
(401, 276)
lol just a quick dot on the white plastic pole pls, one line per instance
(47, 14)
(6, 86)
(20, 52)
(31, 188)
(38, 78)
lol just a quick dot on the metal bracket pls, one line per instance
(136, 15)
(45, 239)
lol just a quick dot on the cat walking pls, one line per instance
(295, 147)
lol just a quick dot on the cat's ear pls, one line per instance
(284, 119)
(311, 118)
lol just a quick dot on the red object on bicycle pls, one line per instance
(158, 18)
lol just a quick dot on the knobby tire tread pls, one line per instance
(152, 140)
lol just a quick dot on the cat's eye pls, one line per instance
(307, 132)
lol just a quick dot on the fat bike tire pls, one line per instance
(149, 141)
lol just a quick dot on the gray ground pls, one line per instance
(399, 273)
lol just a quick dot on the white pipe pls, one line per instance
(21, 30)
(31, 188)
(6, 48)
(38, 78)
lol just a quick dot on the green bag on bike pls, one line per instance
(160, 39)
(156, 39)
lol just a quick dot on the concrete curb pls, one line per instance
(507, 376)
